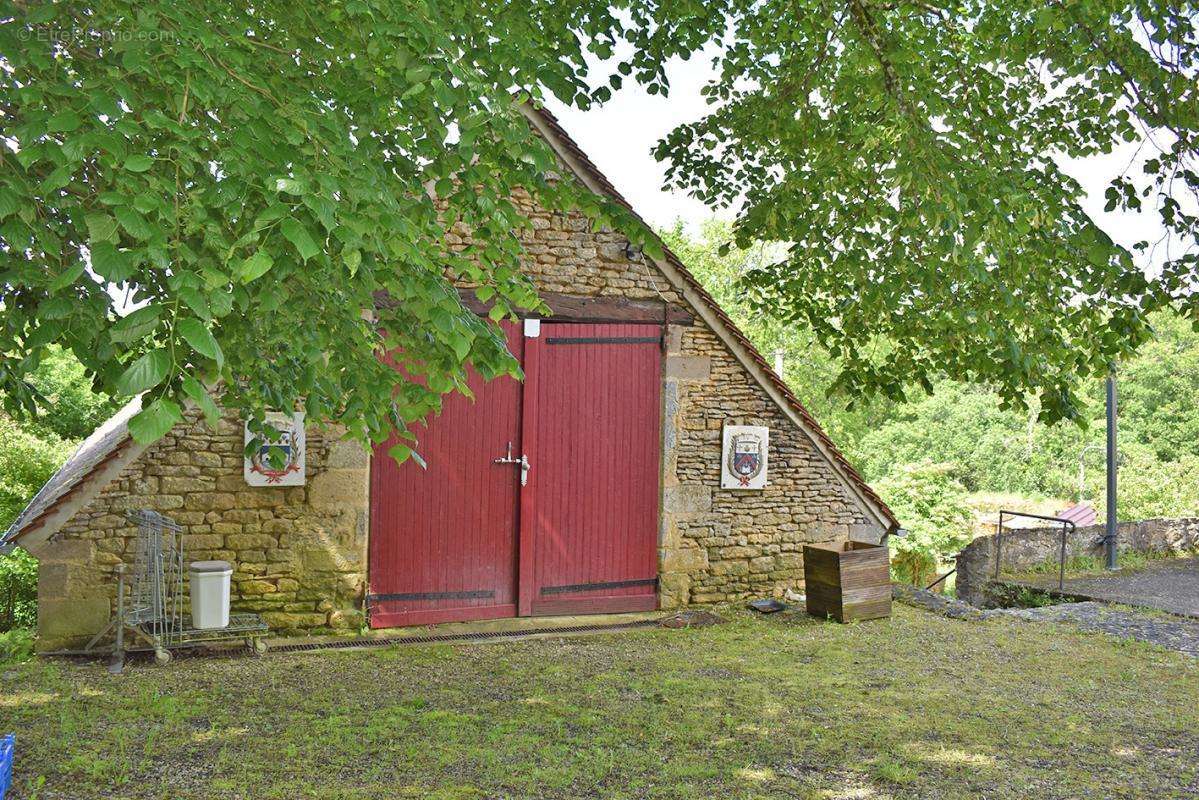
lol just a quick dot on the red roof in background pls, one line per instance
(1081, 514)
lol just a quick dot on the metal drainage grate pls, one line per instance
(454, 637)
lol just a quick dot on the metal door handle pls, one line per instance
(523, 461)
(506, 459)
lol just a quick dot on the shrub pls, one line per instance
(16, 646)
(27, 461)
(18, 590)
(931, 505)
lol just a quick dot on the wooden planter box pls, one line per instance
(847, 580)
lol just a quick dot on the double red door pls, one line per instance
(537, 498)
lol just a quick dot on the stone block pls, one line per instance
(762, 564)
(68, 620)
(205, 541)
(730, 568)
(685, 559)
(186, 485)
(209, 501)
(338, 487)
(689, 368)
(79, 551)
(256, 587)
(202, 459)
(687, 499)
(348, 455)
(326, 559)
(287, 584)
(288, 620)
(249, 541)
(674, 589)
(344, 619)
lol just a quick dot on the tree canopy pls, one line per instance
(910, 154)
(203, 194)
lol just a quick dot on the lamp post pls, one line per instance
(1110, 538)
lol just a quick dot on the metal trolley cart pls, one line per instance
(153, 608)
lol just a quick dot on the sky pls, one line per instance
(620, 135)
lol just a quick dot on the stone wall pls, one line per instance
(300, 553)
(1024, 548)
(728, 544)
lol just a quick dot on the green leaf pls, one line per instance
(63, 122)
(145, 373)
(44, 334)
(155, 421)
(101, 228)
(353, 259)
(9, 204)
(195, 300)
(67, 277)
(298, 235)
(253, 267)
(135, 325)
(201, 340)
(221, 303)
(111, 263)
(402, 452)
(133, 223)
(208, 407)
(289, 185)
(138, 163)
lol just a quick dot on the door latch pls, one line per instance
(523, 461)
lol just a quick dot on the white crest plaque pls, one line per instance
(744, 457)
(259, 470)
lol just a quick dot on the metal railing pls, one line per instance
(1068, 526)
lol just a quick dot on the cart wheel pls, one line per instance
(162, 657)
(257, 645)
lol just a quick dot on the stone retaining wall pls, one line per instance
(1024, 548)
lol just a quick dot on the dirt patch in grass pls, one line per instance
(917, 706)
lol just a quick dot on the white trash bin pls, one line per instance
(210, 593)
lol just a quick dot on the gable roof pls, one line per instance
(110, 447)
(758, 367)
(99, 449)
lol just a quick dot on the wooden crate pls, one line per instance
(847, 580)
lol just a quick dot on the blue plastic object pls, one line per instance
(7, 744)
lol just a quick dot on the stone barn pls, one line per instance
(650, 459)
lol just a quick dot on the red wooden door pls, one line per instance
(589, 513)
(443, 539)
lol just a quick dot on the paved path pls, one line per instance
(1175, 633)
(1169, 584)
(1172, 632)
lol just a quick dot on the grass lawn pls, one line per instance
(762, 707)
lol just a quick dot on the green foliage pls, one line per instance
(978, 445)
(909, 155)
(16, 646)
(932, 506)
(222, 192)
(26, 462)
(807, 367)
(66, 407)
(18, 590)
(251, 178)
